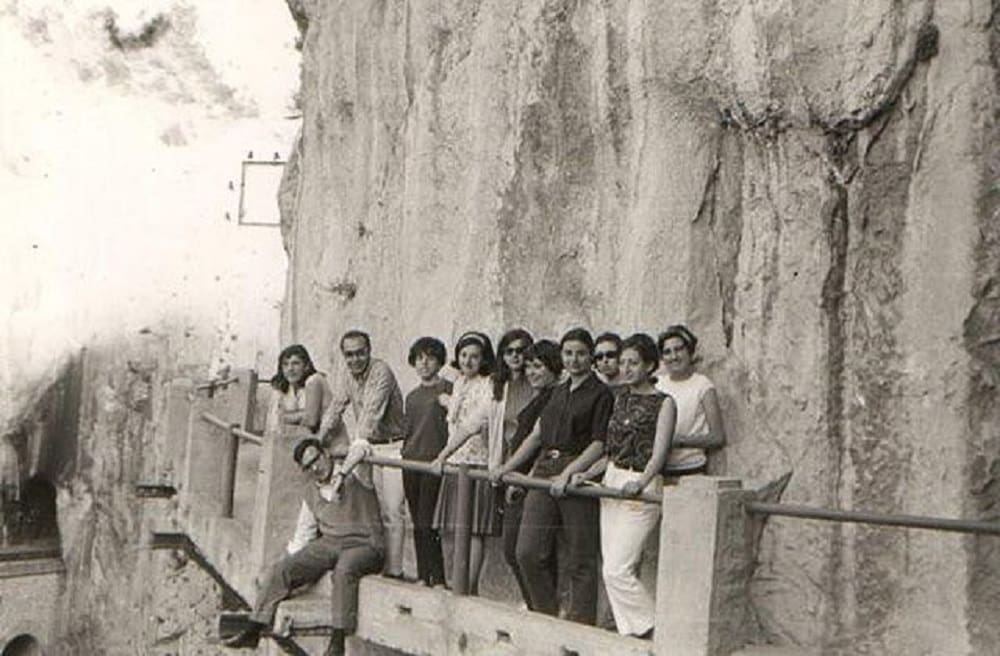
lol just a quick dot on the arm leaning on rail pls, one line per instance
(666, 422)
(511, 478)
(522, 455)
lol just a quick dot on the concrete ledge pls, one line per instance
(418, 620)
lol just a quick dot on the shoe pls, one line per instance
(246, 639)
(648, 635)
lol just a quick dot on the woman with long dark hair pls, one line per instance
(511, 393)
(302, 393)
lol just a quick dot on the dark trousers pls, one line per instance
(512, 511)
(348, 559)
(571, 523)
(421, 496)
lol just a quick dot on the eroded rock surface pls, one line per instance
(810, 185)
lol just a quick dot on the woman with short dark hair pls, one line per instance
(575, 418)
(634, 451)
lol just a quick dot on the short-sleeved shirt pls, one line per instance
(632, 429)
(425, 421)
(571, 420)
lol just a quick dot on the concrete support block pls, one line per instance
(174, 446)
(210, 457)
(702, 605)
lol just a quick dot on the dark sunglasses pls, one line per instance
(600, 355)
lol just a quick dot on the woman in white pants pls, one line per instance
(635, 450)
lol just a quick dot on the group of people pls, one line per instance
(622, 412)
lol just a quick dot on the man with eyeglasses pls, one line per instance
(339, 530)
(369, 388)
(607, 351)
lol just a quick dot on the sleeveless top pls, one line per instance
(691, 419)
(632, 429)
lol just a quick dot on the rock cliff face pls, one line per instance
(810, 185)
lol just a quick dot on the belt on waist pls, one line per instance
(381, 442)
(634, 467)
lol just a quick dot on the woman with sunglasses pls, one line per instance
(699, 419)
(511, 394)
(607, 354)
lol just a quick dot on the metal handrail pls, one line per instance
(234, 429)
(980, 527)
(593, 490)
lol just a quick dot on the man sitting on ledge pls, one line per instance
(339, 529)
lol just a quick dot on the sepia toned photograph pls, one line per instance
(500, 327)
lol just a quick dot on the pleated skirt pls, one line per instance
(486, 518)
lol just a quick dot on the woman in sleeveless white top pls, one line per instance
(699, 419)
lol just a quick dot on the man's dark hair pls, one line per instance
(356, 334)
(581, 335)
(301, 447)
(547, 352)
(609, 337)
(430, 346)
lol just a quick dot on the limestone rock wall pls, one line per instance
(810, 185)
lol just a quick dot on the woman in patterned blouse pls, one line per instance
(468, 443)
(635, 450)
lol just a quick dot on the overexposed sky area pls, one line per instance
(115, 174)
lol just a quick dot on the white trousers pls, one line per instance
(388, 483)
(625, 525)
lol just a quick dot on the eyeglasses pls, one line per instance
(675, 349)
(513, 350)
(359, 353)
(606, 354)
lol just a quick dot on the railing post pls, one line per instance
(237, 407)
(702, 599)
(463, 532)
(210, 458)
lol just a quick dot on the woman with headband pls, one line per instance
(468, 443)
(699, 419)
